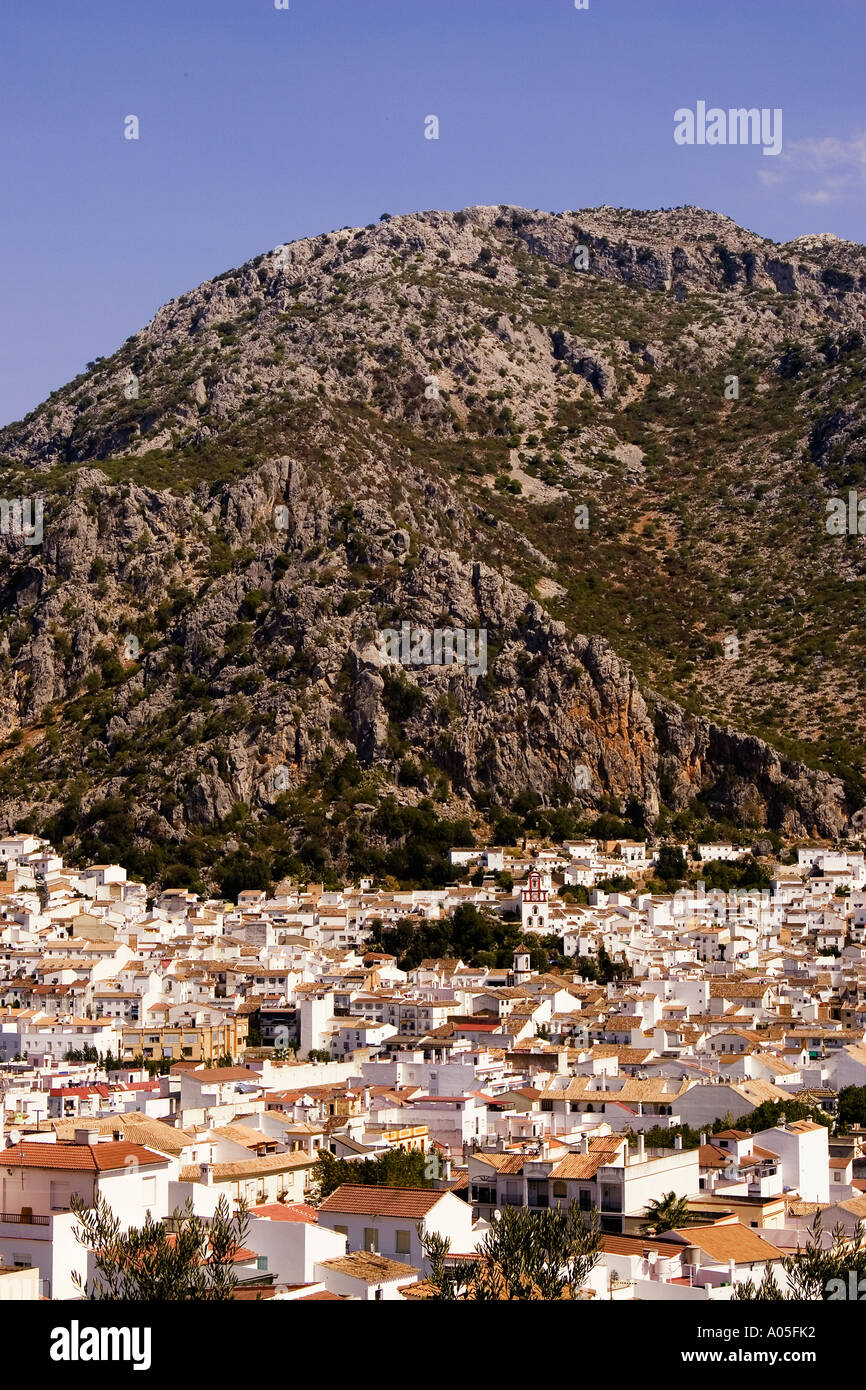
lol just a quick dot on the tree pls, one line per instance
(526, 1255)
(616, 883)
(769, 1112)
(668, 1213)
(609, 969)
(395, 1168)
(852, 1106)
(151, 1263)
(670, 864)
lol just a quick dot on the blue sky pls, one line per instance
(260, 125)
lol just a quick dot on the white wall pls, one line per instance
(450, 1217)
(294, 1247)
(679, 1172)
(804, 1156)
(52, 1250)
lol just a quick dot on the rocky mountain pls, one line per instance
(607, 439)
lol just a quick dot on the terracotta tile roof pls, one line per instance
(711, 1157)
(242, 1134)
(136, 1127)
(730, 1242)
(208, 1074)
(510, 1164)
(277, 1211)
(249, 1167)
(422, 1290)
(92, 1158)
(579, 1165)
(637, 1245)
(627, 1055)
(369, 1267)
(411, 1202)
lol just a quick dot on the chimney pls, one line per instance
(206, 1171)
(641, 1148)
(678, 1142)
(703, 1137)
(86, 1136)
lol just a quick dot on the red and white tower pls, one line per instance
(534, 908)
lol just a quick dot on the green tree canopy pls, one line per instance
(395, 1168)
(195, 1260)
(526, 1255)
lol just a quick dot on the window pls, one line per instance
(560, 1189)
(371, 1238)
(402, 1244)
(547, 1105)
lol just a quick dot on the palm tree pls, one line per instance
(667, 1213)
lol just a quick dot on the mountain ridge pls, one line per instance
(404, 421)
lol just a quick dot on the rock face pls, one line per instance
(590, 365)
(745, 777)
(325, 448)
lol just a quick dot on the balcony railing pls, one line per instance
(25, 1218)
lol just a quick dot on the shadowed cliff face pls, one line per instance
(439, 423)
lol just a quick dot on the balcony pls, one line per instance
(17, 1227)
(24, 1218)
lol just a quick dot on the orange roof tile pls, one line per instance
(411, 1202)
(93, 1158)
